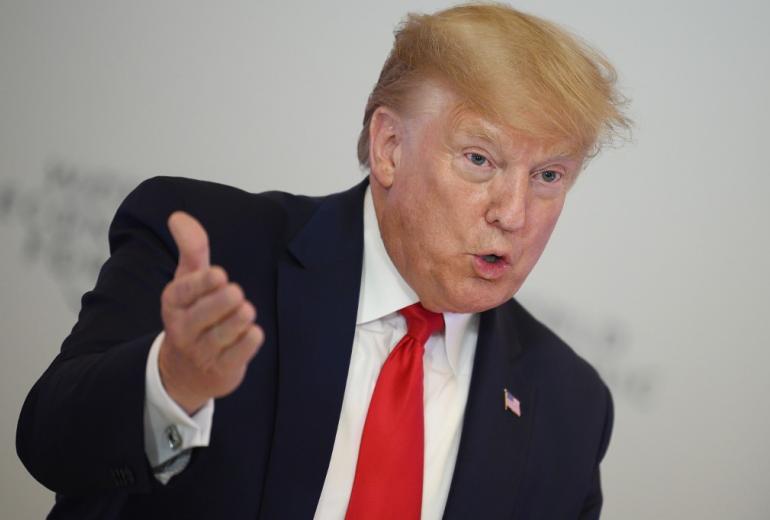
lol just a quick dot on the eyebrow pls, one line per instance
(479, 132)
(474, 129)
(560, 154)
(554, 153)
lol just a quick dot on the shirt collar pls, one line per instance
(384, 291)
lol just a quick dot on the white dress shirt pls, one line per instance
(448, 363)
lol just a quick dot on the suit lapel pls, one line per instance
(494, 441)
(318, 287)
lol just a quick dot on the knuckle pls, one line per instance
(209, 279)
(252, 349)
(212, 338)
(181, 291)
(236, 330)
(167, 296)
(247, 353)
(216, 275)
(256, 335)
(221, 297)
(234, 293)
(243, 352)
(230, 332)
(246, 312)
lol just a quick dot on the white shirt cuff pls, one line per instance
(168, 431)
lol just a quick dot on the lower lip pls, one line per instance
(489, 271)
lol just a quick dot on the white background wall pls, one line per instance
(657, 273)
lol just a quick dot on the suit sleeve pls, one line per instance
(81, 426)
(592, 506)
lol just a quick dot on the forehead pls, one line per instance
(469, 125)
(434, 106)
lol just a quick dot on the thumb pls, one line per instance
(191, 240)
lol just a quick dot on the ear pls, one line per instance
(385, 139)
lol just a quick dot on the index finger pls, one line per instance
(185, 290)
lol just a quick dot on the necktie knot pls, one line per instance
(421, 323)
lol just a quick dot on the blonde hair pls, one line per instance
(512, 67)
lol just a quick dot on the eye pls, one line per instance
(550, 176)
(477, 158)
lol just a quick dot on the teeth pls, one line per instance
(490, 259)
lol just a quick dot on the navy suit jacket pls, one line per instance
(299, 260)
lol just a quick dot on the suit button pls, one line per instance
(122, 477)
(173, 437)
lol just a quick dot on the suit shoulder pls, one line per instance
(566, 382)
(216, 205)
(551, 355)
(165, 191)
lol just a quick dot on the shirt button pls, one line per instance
(173, 437)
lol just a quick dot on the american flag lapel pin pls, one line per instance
(511, 403)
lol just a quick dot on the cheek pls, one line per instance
(456, 219)
(418, 221)
(548, 226)
(439, 206)
(461, 204)
(440, 215)
(545, 224)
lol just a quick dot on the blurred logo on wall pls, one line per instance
(64, 221)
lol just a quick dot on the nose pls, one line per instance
(508, 202)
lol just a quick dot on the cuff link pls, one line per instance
(173, 437)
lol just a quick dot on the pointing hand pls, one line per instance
(210, 334)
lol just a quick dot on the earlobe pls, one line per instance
(384, 145)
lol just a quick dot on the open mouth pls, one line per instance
(491, 259)
(491, 266)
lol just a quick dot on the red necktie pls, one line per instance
(388, 481)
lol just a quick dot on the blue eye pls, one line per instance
(550, 176)
(477, 159)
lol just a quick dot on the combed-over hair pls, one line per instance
(515, 68)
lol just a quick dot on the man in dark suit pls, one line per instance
(478, 126)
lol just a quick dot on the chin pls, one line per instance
(477, 296)
(483, 304)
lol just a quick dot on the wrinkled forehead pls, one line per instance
(431, 102)
(467, 123)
